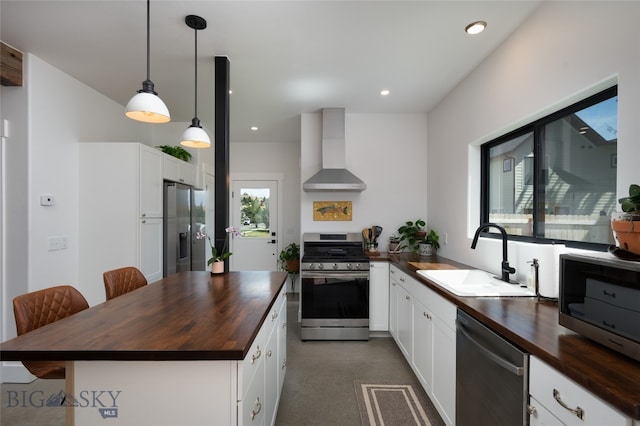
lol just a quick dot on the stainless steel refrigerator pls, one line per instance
(182, 251)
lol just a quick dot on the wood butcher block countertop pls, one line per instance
(533, 325)
(186, 316)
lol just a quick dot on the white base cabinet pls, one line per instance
(423, 326)
(379, 296)
(554, 399)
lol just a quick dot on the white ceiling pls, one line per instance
(286, 57)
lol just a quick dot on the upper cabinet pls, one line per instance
(150, 182)
(178, 171)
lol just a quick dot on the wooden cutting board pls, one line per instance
(432, 265)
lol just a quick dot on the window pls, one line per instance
(555, 179)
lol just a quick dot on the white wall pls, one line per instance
(564, 52)
(269, 158)
(389, 153)
(49, 115)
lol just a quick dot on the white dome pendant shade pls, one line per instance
(146, 106)
(195, 136)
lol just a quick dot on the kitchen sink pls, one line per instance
(474, 283)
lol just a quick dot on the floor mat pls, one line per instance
(392, 404)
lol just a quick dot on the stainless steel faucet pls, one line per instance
(505, 269)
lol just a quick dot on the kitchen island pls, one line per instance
(193, 348)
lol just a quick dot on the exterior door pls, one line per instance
(255, 214)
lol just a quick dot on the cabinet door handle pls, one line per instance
(579, 412)
(609, 293)
(402, 279)
(257, 355)
(426, 314)
(274, 316)
(269, 353)
(531, 410)
(257, 410)
(407, 297)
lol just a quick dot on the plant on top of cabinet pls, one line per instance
(175, 151)
(412, 233)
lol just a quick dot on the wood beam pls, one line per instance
(11, 70)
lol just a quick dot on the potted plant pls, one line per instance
(216, 261)
(394, 244)
(290, 258)
(430, 244)
(412, 233)
(626, 224)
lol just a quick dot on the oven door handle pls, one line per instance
(336, 275)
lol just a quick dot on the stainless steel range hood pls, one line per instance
(333, 176)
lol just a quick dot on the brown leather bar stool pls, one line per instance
(36, 309)
(123, 280)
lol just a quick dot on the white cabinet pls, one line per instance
(423, 343)
(557, 400)
(423, 326)
(262, 372)
(379, 296)
(177, 170)
(120, 185)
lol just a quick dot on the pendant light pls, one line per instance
(146, 105)
(195, 136)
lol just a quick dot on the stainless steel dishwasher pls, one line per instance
(492, 377)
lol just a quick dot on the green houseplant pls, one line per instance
(411, 233)
(626, 224)
(175, 151)
(430, 244)
(290, 258)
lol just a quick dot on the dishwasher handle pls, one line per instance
(512, 368)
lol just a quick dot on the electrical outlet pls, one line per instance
(57, 243)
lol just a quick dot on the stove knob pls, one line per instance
(335, 266)
(349, 266)
(357, 266)
(321, 265)
(312, 266)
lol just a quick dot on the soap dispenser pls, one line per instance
(532, 277)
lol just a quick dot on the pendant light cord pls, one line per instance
(196, 73)
(148, 41)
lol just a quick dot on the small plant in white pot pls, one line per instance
(430, 244)
(626, 224)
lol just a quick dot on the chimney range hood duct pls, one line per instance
(333, 176)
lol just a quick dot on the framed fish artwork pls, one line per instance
(332, 210)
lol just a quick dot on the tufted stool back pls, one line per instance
(123, 280)
(36, 309)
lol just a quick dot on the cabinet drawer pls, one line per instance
(252, 405)
(545, 382)
(612, 294)
(252, 362)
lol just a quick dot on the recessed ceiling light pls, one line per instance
(384, 92)
(254, 128)
(475, 27)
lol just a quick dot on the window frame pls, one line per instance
(536, 128)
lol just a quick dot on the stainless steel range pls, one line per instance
(334, 299)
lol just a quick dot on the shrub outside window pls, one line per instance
(554, 180)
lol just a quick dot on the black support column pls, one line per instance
(221, 152)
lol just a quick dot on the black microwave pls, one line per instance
(599, 297)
